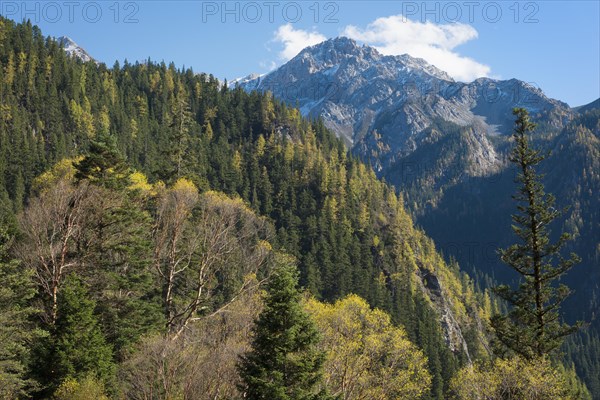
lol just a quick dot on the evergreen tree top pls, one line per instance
(284, 363)
(104, 165)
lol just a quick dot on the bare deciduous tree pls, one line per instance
(198, 365)
(208, 250)
(175, 245)
(51, 225)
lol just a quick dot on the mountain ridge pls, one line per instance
(356, 91)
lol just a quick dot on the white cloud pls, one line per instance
(397, 35)
(294, 40)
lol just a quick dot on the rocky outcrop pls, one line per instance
(432, 288)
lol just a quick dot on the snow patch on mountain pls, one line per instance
(73, 49)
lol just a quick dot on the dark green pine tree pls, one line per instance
(283, 363)
(78, 346)
(118, 248)
(17, 330)
(533, 327)
(104, 165)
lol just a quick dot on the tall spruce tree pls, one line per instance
(284, 362)
(533, 326)
(78, 348)
(104, 165)
(17, 330)
(118, 246)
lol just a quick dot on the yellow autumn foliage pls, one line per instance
(183, 184)
(515, 378)
(64, 169)
(86, 389)
(139, 182)
(367, 356)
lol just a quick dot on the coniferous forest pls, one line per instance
(165, 236)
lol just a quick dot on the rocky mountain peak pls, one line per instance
(73, 49)
(335, 51)
(340, 50)
(386, 107)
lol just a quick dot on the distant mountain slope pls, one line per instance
(594, 105)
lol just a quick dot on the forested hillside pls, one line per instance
(107, 184)
(145, 207)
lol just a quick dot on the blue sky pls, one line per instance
(554, 45)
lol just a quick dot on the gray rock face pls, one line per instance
(432, 288)
(383, 104)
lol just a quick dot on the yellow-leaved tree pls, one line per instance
(367, 356)
(515, 378)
